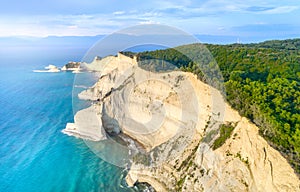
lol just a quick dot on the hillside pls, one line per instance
(261, 82)
(175, 132)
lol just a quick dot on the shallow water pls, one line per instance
(35, 107)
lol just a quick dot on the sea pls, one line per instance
(35, 156)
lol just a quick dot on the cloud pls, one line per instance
(119, 12)
(271, 10)
(258, 8)
(60, 25)
(217, 7)
(73, 27)
(149, 22)
(195, 16)
(281, 9)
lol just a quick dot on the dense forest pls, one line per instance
(261, 81)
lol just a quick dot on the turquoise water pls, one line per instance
(34, 108)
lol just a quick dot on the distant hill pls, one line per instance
(74, 41)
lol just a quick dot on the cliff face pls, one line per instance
(244, 163)
(176, 117)
(71, 66)
(143, 105)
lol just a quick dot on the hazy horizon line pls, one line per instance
(203, 38)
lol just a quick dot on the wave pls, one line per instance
(45, 71)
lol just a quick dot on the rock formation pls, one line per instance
(72, 66)
(176, 118)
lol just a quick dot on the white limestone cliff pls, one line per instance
(131, 100)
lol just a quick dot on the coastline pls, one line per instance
(197, 158)
(71, 66)
(87, 125)
(145, 178)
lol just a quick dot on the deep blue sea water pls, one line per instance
(34, 107)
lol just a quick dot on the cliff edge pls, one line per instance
(179, 121)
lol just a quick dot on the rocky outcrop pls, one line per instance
(141, 104)
(71, 66)
(244, 163)
(49, 69)
(87, 125)
(175, 117)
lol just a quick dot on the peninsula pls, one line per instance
(206, 148)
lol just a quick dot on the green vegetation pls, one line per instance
(72, 65)
(261, 81)
(188, 162)
(225, 133)
(180, 183)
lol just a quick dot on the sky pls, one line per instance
(243, 18)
